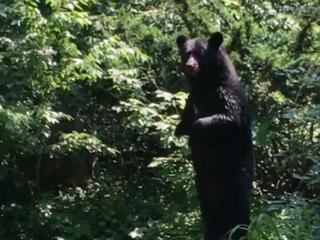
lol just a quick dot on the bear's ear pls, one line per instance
(181, 40)
(216, 40)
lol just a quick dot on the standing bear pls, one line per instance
(218, 125)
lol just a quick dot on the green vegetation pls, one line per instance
(99, 81)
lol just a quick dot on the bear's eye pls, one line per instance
(187, 54)
(202, 52)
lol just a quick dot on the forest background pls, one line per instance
(97, 85)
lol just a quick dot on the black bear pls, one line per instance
(217, 122)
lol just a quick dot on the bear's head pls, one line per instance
(199, 55)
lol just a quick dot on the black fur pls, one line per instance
(218, 125)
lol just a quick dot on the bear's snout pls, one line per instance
(192, 66)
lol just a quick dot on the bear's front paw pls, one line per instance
(201, 126)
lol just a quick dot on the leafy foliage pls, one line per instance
(100, 79)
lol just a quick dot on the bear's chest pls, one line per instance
(209, 104)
